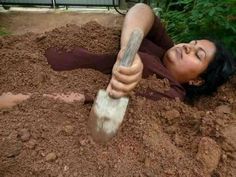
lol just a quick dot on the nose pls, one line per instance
(187, 48)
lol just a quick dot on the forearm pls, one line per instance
(139, 16)
(125, 79)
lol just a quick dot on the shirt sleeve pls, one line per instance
(159, 36)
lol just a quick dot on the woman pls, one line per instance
(198, 67)
(195, 68)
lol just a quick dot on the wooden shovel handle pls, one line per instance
(132, 47)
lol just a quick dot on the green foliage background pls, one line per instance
(195, 19)
(3, 31)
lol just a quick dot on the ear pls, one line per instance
(197, 82)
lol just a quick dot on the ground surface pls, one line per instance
(43, 136)
(22, 22)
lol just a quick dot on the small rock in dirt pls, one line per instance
(10, 147)
(170, 172)
(24, 134)
(82, 142)
(209, 154)
(68, 129)
(172, 114)
(229, 133)
(223, 109)
(40, 37)
(224, 157)
(42, 154)
(51, 157)
(60, 162)
(31, 144)
(66, 168)
(178, 140)
(147, 162)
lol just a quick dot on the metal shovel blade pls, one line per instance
(106, 116)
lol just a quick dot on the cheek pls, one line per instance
(190, 67)
(194, 68)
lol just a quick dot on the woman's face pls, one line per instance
(186, 61)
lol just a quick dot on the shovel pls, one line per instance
(107, 113)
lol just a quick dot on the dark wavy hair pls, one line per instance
(217, 73)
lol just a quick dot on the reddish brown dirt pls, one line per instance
(47, 137)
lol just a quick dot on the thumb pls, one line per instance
(109, 88)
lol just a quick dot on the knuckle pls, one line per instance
(126, 89)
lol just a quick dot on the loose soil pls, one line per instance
(43, 136)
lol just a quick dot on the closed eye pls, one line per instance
(201, 53)
(196, 54)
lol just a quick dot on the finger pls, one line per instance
(109, 88)
(117, 94)
(118, 86)
(115, 67)
(113, 94)
(127, 79)
(136, 67)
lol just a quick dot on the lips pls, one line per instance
(178, 52)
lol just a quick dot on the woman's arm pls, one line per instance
(124, 79)
(141, 16)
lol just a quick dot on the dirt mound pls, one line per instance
(91, 36)
(47, 137)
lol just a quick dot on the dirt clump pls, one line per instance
(208, 154)
(42, 136)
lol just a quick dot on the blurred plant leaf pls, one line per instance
(194, 19)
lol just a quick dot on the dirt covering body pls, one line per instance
(48, 137)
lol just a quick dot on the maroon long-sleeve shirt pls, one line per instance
(151, 52)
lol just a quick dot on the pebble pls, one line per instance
(229, 133)
(209, 154)
(66, 168)
(172, 114)
(147, 162)
(131, 110)
(82, 142)
(223, 109)
(51, 157)
(68, 129)
(42, 154)
(24, 134)
(224, 157)
(41, 37)
(10, 147)
(31, 144)
(60, 162)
